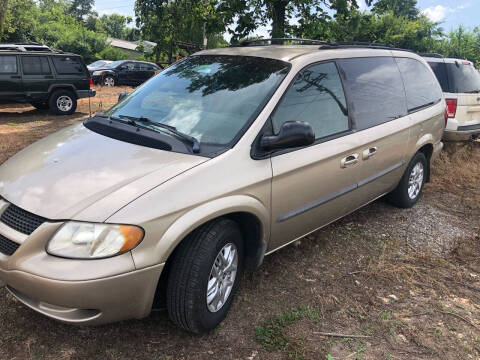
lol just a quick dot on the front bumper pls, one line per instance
(92, 302)
(85, 93)
(73, 291)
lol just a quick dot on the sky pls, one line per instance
(451, 13)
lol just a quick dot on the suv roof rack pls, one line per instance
(323, 44)
(434, 55)
(30, 46)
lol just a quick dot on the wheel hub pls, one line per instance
(222, 277)
(415, 181)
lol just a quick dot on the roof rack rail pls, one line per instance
(27, 47)
(323, 44)
(434, 55)
(278, 41)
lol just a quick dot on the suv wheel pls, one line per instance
(205, 273)
(40, 105)
(408, 191)
(109, 81)
(63, 102)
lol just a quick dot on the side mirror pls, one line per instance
(122, 96)
(292, 134)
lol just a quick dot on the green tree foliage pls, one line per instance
(403, 8)
(80, 8)
(461, 43)
(250, 14)
(168, 22)
(115, 25)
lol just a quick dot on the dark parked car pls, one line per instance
(124, 72)
(45, 79)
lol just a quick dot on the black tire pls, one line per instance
(109, 81)
(190, 272)
(40, 105)
(57, 108)
(400, 196)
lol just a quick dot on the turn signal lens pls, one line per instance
(78, 240)
(90, 81)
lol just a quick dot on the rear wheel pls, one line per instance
(205, 273)
(63, 102)
(40, 105)
(409, 190)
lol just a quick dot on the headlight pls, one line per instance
(97, 73)
(93, 241)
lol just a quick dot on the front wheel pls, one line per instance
(205, 273)
(109, 81)
(408, 191)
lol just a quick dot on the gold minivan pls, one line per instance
(221, 159)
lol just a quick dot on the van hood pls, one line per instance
(81, 175)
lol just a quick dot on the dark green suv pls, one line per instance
(45, 79)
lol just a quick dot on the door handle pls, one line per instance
(368, 153)
(349, 160)
(15, 77)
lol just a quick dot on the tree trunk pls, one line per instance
(3, 13)
(278, 18)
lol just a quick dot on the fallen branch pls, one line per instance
(341, 335)
(460, 317)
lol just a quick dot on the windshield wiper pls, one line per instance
(133, 120)
(473, 92)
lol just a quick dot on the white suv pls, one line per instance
(460, 82)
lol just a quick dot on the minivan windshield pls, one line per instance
(208, 97)
(464, 78)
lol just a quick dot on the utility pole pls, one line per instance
(3, 13)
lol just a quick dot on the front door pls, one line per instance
(315, 185)
(10, 78)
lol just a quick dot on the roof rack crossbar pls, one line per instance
(434, 55)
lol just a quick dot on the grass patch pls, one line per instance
(272, 335)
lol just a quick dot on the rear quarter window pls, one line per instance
(374, 90)
(66, 65)
(464, 78)
(421, 86)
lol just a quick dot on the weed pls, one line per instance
(384, 315)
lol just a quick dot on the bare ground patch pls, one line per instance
(406, 281)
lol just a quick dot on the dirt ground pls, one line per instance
(394, 284)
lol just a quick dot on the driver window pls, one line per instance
(316, 96)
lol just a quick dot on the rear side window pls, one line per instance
(440, 70)
(8, 64)
(35, 65)
(464, 78)
(316, 96)
(374, 89)
(421, 86)
(68, 65)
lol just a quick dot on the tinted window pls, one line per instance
(68, 65)
(463, 78)
(440, 70)
(209, 97)
(316, 96)
(374, 89)
(35, 65)
(421, 85)
(8, 64)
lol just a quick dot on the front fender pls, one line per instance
(196, 217)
